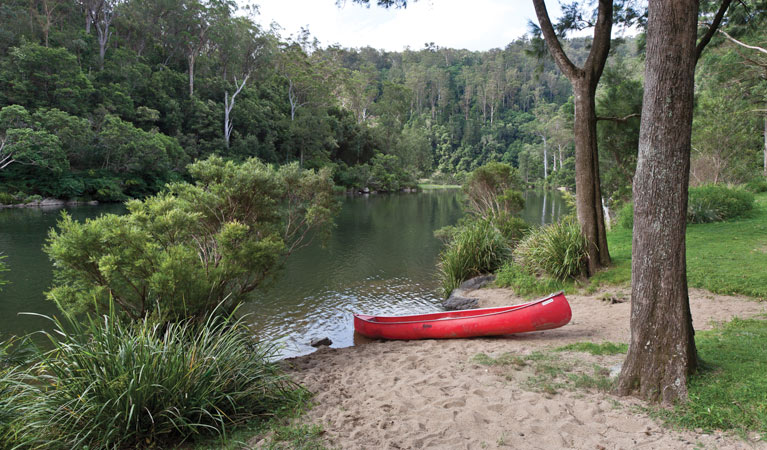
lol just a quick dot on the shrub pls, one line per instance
(512, 228)
(185, 251)
(713, 203)
(494, 189)
(524, 283)
(757, 185)
(625, 216)
(7, 199)
(476, 248)
(117, 385)
(558, 250)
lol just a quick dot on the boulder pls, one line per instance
(319, 342)
(477, 282)
(458, 298)
(455, 303)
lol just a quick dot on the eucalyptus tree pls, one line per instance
(662, 351)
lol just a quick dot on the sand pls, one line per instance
(434, 394)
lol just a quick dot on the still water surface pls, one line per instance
(380, 259)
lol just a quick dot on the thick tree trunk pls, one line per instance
(662, 349)
(587, 185)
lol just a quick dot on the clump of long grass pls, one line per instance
(523, 282)
(17, 393)
(558, 250)
(716, 202)
(109, 384)
(476, 248)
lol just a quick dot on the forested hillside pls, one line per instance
(107, 99)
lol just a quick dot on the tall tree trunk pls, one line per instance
(662, 349)
(545, 160)
(191, 74)
(584, 81)
(588, 198)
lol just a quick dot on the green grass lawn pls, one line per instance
(722, 257)
(730, 390)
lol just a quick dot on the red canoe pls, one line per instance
(543, 314)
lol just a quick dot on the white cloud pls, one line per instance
(471, 24)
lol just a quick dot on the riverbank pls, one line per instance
(456, 394)
(49, 203)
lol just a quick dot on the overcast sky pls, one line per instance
(470, 24)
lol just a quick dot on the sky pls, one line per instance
(469, 24)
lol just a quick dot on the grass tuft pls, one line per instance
(605, 348)
(557, 250)
(113, 385)
(524, 283)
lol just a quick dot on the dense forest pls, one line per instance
(106, 99)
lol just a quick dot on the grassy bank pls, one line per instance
(722, 257)
(730, 391)
(429, 186)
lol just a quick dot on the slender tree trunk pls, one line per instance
(545, 159)
(662, 349)
(587, 182)
(765, 145)
(191, 74)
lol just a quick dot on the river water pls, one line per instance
(380, 259)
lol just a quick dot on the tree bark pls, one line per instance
(191, 59)
(584, 81)
(662, 348)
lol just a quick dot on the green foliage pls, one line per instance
(558, 250)
(114, 385)
(729, 392)
(525, 283)
(757, 185)
(388, 175)
(181, 253)
(36, 76)
(494, 189)
(16, 395)
(476, 248)
(625, 216)
(604, 348)
(714, 203)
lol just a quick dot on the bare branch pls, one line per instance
(752, 47)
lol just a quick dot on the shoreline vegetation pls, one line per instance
(570, 371)
(229, 144)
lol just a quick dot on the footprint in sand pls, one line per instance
(455, 403)
(497, 408)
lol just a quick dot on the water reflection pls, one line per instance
(380, 259)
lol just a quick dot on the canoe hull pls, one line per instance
(542, 314)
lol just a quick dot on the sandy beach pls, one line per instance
(438, 394)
